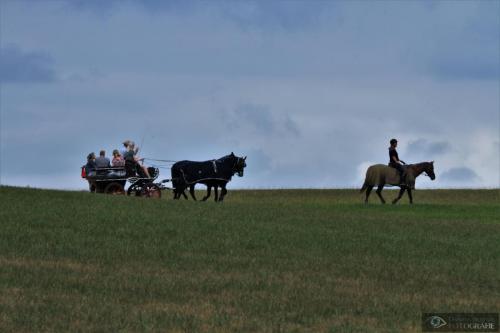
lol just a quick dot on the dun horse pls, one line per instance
(381, 175)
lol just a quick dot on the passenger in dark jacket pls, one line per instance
(90, 168)
(91, 165)
(102, 161)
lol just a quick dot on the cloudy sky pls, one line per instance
(311, 91)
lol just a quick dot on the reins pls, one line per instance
(167, 164)
(157, 160)
(419, 169)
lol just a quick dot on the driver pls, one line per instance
(132, 158)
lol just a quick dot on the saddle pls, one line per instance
(407, 178)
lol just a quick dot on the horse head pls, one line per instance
(235, 163)
(429, 170)
(239, 165)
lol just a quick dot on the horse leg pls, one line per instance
(410, 195)
(401, 192)
(368, 191)
(209, 191)
(379, 192)
(184, 194)
(216, 193)
(191, 191)
(223, 192)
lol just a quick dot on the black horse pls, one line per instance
(215, 184)
(213, 173)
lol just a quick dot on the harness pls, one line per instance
(215, 168)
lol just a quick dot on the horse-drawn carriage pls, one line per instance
(113, 181)
(185, 174)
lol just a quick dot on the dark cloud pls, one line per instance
(107, 7)
(286, 15)
(473, 66)
(92, 4)
(256, 14)
(291, 126)
(470, 51)
(18, 66)
(461, 174)
(258, 119)
(427, 148)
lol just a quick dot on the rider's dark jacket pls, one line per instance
(393, 153)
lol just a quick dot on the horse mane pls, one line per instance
(422, 166)
(223, 158)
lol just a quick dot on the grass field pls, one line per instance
(263, 261)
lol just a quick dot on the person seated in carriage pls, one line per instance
(102, 161)
(91, 166)
(118, 160)
(132, 161)
(126, 145)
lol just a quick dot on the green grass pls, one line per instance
(263, 261)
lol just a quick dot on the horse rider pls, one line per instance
(395, 162)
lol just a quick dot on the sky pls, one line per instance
(310, 91)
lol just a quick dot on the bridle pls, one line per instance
(237, 162)
(427, 174)
(423, 168)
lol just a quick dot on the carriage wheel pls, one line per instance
(92, 187)
(99, 188)
(151, 191)
(114, 188)
(135, 190)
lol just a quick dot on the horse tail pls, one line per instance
(369, 178)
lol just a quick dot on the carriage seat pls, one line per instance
(114, 172)
(134, 169)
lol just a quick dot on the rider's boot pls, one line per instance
(402, 178)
